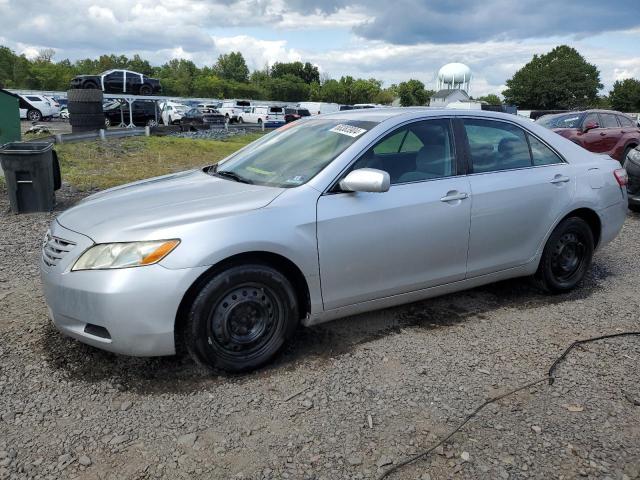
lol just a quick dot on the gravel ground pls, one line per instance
(216, 133)
(373, 389)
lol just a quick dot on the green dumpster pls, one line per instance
(9, 117)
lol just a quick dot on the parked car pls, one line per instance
(269, 116)
(330, 217)
(55, 106)
(632, 166)
(209, 106)
(292, 114)
(144, 113)
(317, 108)
(119, 81)
(233, 110)
(172, 112)
(201, 118)
(36, 107)
(599, 131)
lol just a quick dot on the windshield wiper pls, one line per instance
(232, 175)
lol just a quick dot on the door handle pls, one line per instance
(602, 134)
(560, 179)
(451, 196)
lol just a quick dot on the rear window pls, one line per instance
(275, 110)
(560, 121)
(304, 113)
(35, 99)
(243, 103)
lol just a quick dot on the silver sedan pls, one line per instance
(325, 218)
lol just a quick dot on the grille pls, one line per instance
(54, 249)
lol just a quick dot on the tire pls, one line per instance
(146, 90)
(80, 95)
(93, 120)
(625, 154)
(90, 85)
(34, 115)
(566, 257)
(107, 122)
(241, 318)
(634, 208)
(152, 122)
(85, 107)
(259, 121)
(240, 120)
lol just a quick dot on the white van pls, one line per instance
(270, 116)
(36, 108)
(317, 108)
(233, 110)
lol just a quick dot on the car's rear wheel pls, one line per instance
(152, 122)
(34, 115)
(90, 85)
(240, 120)
(241, 318)
(107, 122)
(146, 90)
(566, 256)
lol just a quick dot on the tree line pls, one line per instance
(228, 77)
(558, 80)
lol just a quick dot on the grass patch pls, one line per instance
(100, 165)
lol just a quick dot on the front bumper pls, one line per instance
(137, 307)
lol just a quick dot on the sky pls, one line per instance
(391, 40)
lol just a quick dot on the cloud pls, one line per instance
(417, 21)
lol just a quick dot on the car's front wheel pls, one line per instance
(241, 318)
(566, 256)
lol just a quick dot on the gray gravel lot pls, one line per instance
(373, 388)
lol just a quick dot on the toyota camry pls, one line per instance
(324, 218)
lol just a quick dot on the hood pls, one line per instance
(142, 210)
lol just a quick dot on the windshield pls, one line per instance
(560, 121)
(295, 153)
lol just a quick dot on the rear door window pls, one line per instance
(496, 146)
(541, 154)
(35, 99)
(625, 121)
(609, 120)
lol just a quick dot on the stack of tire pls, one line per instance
(85, 110)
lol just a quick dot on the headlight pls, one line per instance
(634, 156)
(124, 255)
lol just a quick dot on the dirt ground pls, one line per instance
(372, 389)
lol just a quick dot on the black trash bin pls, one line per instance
(30, 175)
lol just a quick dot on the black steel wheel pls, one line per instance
(566, 256)
(241, 318)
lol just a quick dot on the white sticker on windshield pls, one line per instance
(348, 130)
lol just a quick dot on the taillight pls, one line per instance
(621, 176)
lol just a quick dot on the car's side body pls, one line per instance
(234, 109)
(201, 118)
(119, 81)
(602, 131)
(347, 252)
(144, 113)
(36, 107)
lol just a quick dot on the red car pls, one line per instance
(599, 131)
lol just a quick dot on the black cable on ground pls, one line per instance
(550, 378)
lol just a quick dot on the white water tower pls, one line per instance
(454, 76)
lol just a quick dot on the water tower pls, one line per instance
(454, 76)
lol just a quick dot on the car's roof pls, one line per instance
(398, 113)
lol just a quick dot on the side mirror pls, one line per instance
(590, 126)
(366, 180)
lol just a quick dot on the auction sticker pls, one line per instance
(348, 130)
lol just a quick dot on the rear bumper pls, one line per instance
(612, 219)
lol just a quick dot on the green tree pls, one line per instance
(307, 72)
(491, 99)
(560, 79)
(412, 92)
(232, 66)
(288, 88)
(625, 95)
